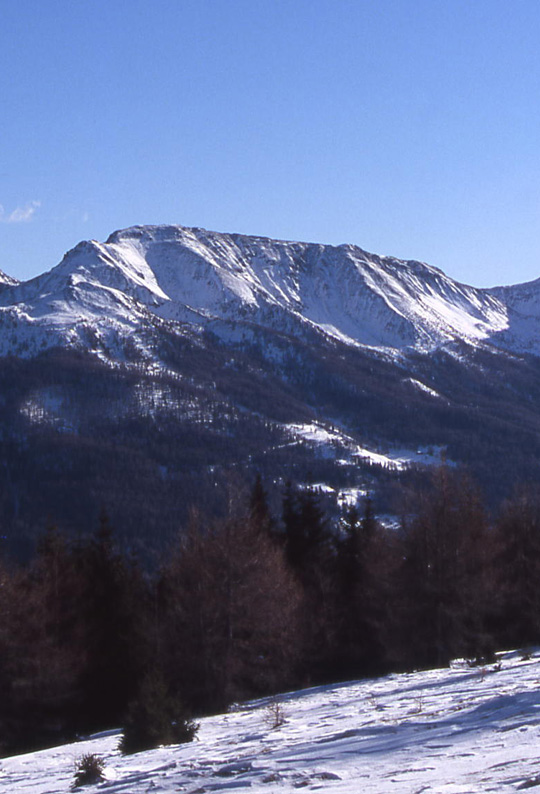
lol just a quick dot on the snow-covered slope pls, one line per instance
(522, 303)
(6, 280)
(103, 293)
(454, 731)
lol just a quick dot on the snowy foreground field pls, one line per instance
(454, 730)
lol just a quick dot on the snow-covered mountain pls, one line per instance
(104, 293)
(167, 357)
(452, 731)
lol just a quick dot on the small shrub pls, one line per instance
(88, 770)
(155, 718)
(274, 714)
(419, 704)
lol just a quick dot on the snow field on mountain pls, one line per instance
(334, 443)
(460, 729)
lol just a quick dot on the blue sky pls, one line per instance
(408, 127)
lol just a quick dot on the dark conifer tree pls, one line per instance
(310, 551)
(309, 542)
(518, 568)
(155, 717)
(113, 602)
(445, 593)
(292, 538)
(258, 509)
(357, 534)
(364, 567)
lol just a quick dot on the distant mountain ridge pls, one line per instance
(145, 274)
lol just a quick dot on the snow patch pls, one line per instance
(423, 388)
(334, 443)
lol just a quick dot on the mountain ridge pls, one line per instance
(193, 276)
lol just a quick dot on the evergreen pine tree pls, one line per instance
(445, 590)
(113, 600)
(259, 511)
(154, 718)
(363, 568)
(518, 569)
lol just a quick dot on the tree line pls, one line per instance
(253, 603)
